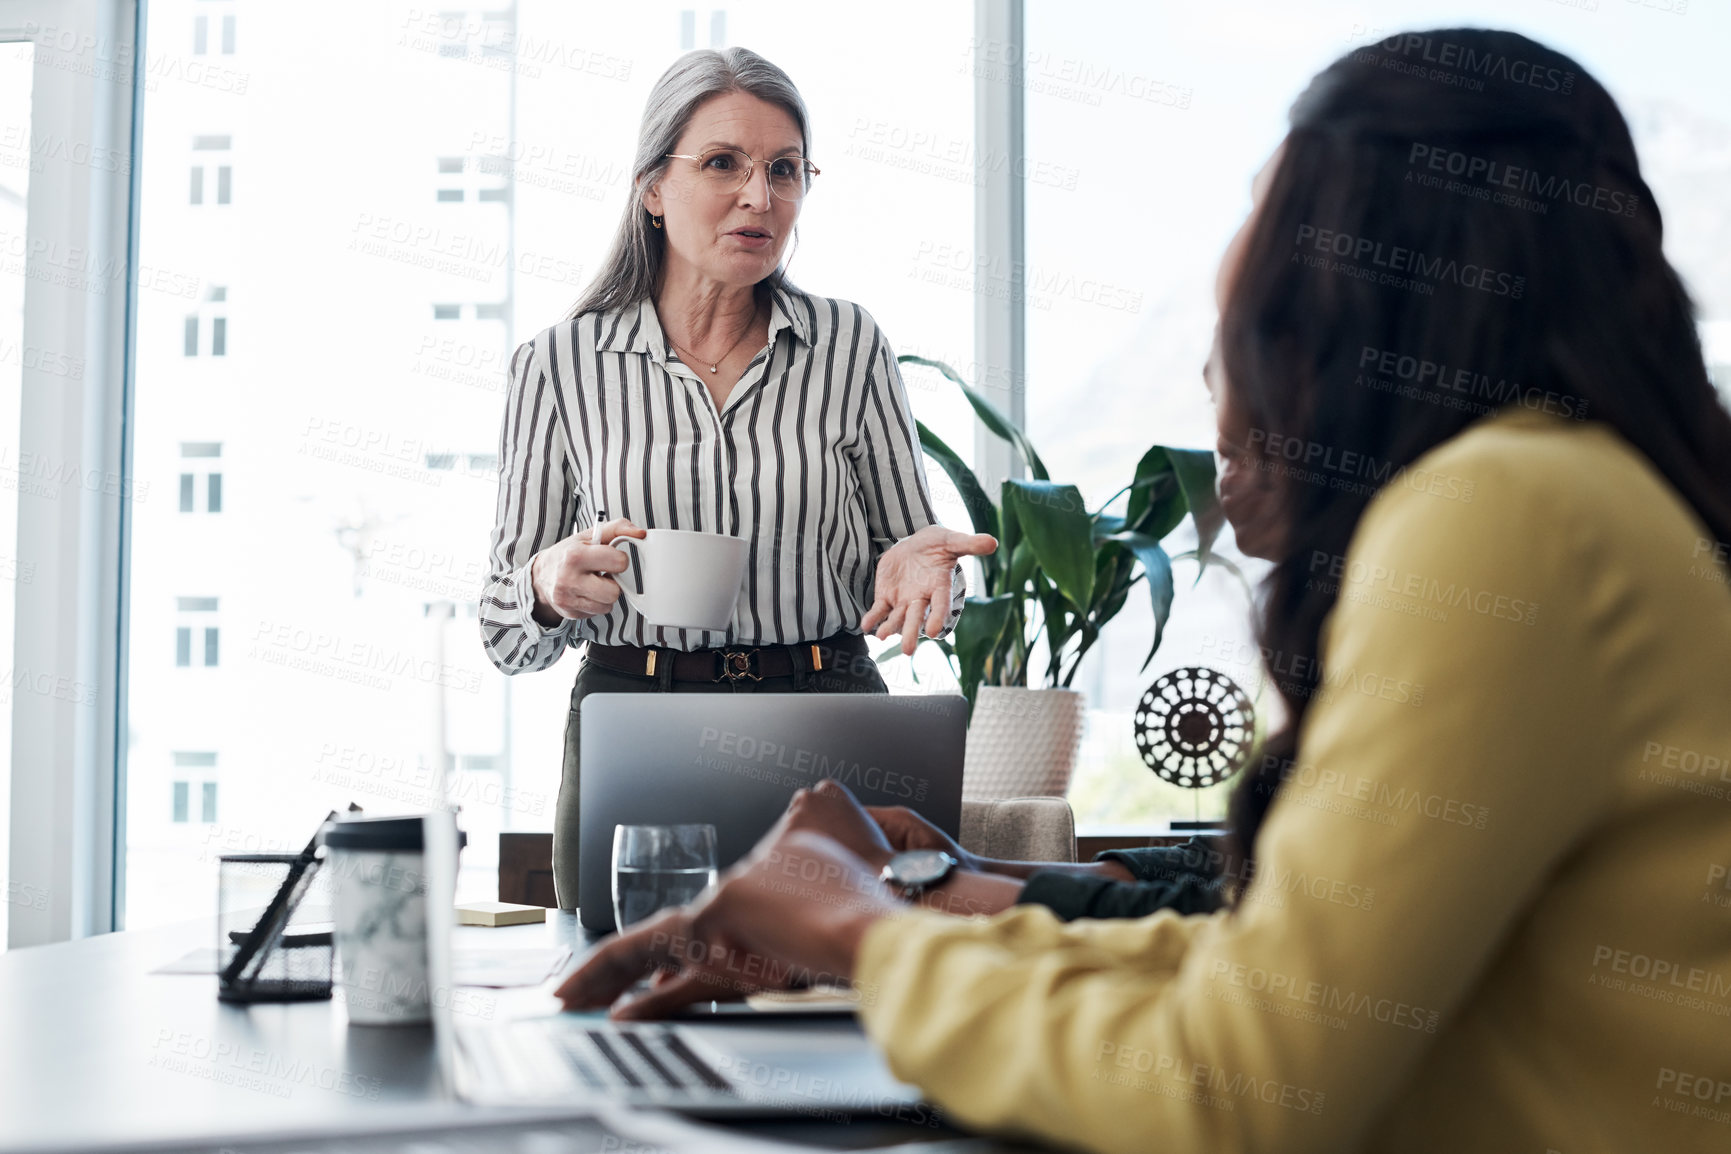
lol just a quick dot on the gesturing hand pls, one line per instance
(572, 577)
(792, 913)
(913, 582)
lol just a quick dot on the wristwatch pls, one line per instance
(915, 871)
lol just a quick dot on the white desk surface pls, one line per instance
(96, 1051)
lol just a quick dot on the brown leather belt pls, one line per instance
(728, 663)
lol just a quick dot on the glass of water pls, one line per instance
(659, 866)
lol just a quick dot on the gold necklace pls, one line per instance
(684, 352)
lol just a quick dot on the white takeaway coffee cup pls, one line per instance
(678, 579)
(379, 918)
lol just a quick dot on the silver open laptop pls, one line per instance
(820, 1068)
(771, 1065)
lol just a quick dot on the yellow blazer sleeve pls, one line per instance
(1438, 783)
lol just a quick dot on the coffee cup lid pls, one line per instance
(379, 833)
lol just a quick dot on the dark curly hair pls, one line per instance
(1494, 182)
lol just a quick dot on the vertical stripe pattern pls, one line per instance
(814, 459)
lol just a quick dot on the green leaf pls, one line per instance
(989, 414)
(1195, 471)
(1012, 546)
(1156, 502)
(1022, 567)
(1114, 573)
(981, 512)
(978, 637)
(1089, 634)
(1105, 524)
(1058, 526)
(1157, 567)
(1062, 620)
(1153, 464)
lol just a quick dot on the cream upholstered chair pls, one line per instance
(1019, 829)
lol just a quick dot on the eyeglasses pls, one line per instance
(725, 171)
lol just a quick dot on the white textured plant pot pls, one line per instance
(1022, 742)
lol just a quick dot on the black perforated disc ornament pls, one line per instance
(1194, 727)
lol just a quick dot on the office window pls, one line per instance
(214, 17)
(212, 169)
(1145, 125)
(212, 317)
(471, 35)
(193, 769)
(197, 630)
(400, 365)
(481, 179)
(200, 461)
(717, 29)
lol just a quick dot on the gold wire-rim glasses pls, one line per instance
(807, 168)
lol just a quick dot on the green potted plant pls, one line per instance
(1061, 573)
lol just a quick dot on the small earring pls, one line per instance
(656, 221)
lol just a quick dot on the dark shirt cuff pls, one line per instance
(1071, 897)
(1198, 857)
(1184, 878)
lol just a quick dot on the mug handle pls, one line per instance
(633, 563)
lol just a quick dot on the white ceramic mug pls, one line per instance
(690, 580)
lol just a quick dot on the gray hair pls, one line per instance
(633, 266)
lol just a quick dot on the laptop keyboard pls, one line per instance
(628, 1059)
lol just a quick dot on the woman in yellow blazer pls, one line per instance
(1490, 907)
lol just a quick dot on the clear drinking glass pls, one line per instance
(659, 866)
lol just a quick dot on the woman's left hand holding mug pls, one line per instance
(573, 578)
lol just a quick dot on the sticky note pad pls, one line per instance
(498, 914)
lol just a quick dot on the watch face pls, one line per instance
(920, 867)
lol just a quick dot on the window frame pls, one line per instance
(71, 623)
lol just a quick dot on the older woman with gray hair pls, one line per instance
(694, 387)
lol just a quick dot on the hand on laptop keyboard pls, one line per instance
(790, 914)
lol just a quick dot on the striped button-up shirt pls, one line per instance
(813, 459)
